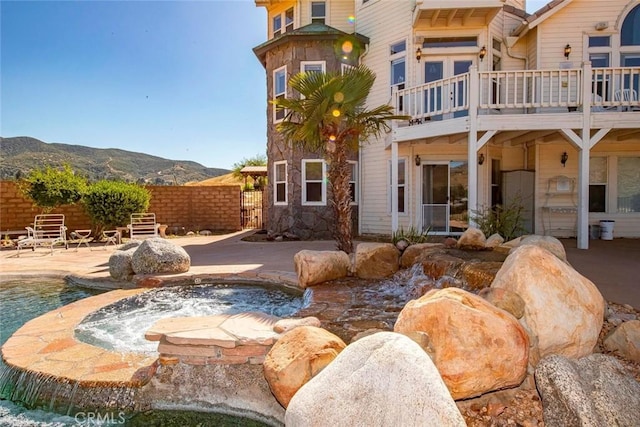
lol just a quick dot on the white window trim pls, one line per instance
(395, 58)
(276, 182)
(326, 12)
(276, 94)
(323, 181)
(356, 182)
(321, 63)
(283, 22)
(405, 185)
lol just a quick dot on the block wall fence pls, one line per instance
(182, 208)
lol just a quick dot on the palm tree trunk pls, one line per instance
(339, 174)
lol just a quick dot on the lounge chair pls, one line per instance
(143, 226)
(48, 230)
(628, 98)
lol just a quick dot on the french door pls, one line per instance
(444, 197)
(449, 96)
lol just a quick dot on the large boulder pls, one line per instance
(376, 260)
(563, 310)
(157, 255)
(120, 267)
(297, 357)
(314, 267)
(477, 347)
(472, 239)
(625, 340)
(384, 379)
(415, 253)
(591, 392)
(549, 243)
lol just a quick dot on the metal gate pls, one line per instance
(251, 209)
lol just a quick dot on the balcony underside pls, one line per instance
(455, 13)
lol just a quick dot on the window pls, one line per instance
(599, 41)
(628, 179)
(287, 18)
(597, 184)
(318, 12)
(353, 182)
(314, 187)
(279, 91)
(398, 68)
(436, 42)
(280, 183)
(630, 32)
(312, 66)
(402, 183)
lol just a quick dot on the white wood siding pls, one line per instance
(339, 12)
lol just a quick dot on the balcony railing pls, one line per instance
(522, 92)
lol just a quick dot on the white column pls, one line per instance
(472, 149)
(582, 226)
(394, 186)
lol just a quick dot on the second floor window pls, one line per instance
(318, 12)
(279, 91)
(282, 22)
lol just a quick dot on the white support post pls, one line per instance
(583, 161)
(472, 146)
(394, 186)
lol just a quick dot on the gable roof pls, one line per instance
(313, 31)
(539, 16)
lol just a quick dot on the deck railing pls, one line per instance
(523, 91)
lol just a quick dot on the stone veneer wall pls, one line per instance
(182, 208)
(306, 222)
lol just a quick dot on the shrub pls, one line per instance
(412, 235)
(49, 188)
(110, 203)
(504, 220)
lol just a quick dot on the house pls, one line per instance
(505, 107)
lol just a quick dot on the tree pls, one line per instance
(49, 188)
(110, 203)
(330, 117)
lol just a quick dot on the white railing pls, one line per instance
(522, 91)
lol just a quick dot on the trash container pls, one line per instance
(606, 229)
(594, 231)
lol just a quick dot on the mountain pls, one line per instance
(20, 155)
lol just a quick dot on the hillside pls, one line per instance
(20, 155)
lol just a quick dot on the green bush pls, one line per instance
(504, 220)
(412, 235)
(49, 188)
(110, 203)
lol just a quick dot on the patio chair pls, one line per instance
(628, 98)
(143, 226)
(48, 230)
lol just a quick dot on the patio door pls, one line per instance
(443, 98)
(444, 197)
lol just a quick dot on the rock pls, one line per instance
(625, 340)
(479, 275)
(563, 310)
(376, 260)
(157, 255)
(549, 243)
(415, 253)
(285, 325)
(314, 267)
(402, 244)
(477, 346)
(120, 264)
(297, 357)
(472, 239)
(437, 265)
(290, 236)
(383, 379)
(504, 299)
(593, 391)
(450, 242)
(205, 233)
(493, 241)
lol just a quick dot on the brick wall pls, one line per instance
(182, 208)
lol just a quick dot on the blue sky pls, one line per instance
(175, 79)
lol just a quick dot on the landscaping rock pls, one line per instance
(314, 267)
(549, 243)
(504, 299)
(416, 253)
(437, 265)
(383, 379)
(120, 264)
(157, 255)
(477, 346)
(493, 241)
(285, 325)
(297, 357)
(376, 260)
(625, 340)
(472, 239)
(479, 275)
(593, 391)
(563, 309)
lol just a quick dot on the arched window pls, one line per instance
(630, 34)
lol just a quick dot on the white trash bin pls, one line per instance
(606, 229)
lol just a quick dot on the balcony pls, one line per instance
(430, 14)
(563, 96)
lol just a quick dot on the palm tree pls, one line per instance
(330, 117)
